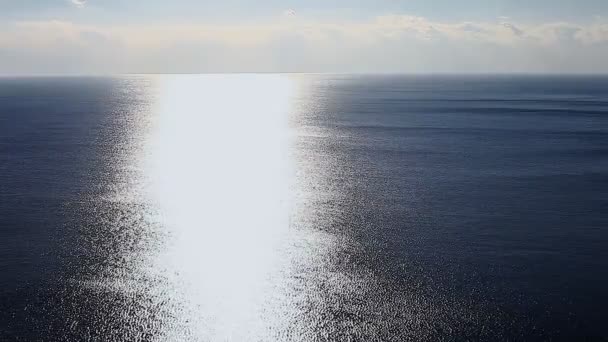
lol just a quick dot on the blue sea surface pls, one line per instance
(304, 207)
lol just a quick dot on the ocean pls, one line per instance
(303, 207)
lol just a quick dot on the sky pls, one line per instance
(366, 36)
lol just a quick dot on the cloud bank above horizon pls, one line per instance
(289, 42)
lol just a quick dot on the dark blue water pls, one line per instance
(381, 207)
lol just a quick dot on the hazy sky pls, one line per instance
(114, 36)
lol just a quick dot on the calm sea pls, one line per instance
(304, 208)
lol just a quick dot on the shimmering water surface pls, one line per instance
(303, 208)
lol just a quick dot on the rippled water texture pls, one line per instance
(303, 208)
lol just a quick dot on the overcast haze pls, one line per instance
(410, 36)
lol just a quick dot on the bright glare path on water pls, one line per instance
(217, 163)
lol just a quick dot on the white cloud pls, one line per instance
(78, 3)
(289, 13)
(517, 31)
(391, 43)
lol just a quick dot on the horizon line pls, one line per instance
(398, 73)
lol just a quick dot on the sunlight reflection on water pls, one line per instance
(216, 165)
